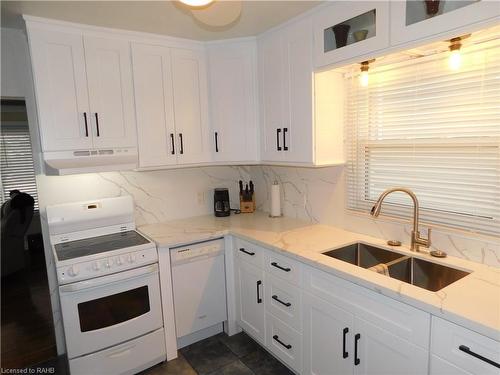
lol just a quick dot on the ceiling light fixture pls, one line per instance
(455, 59)
(196, 3)
(363, 77)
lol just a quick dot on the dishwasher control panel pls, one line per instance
(191, 252)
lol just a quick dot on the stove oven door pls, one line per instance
(109, 310)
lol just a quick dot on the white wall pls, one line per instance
(318, 196)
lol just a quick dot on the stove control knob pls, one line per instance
(73, 271)
(131, 258)
(96, 266)
(119, 261)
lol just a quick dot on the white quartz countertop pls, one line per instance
(473, 301)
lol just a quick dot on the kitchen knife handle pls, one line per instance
(173, 143)
(86, 124)
(285, 147)
(182, 144)
(216, 142)
(97, 124)
(278, 147)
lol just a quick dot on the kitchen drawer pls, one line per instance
(439, 366)
(398, 318)
(249, 252)
(284, 342)
(284, 300)
(448, 341)
(130, 357)
(283, 267)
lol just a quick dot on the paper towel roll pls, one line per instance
(275, 200)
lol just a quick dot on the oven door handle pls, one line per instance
(109, 279)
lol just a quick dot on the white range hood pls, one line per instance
(89, 161)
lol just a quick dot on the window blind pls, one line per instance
(16, 157)
(421, 125)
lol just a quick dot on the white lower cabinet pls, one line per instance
(439, 366)
(250, 299)
(456, 346)
(284, 342)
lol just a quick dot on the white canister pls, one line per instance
(275, 200)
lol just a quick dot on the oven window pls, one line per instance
(110, 310)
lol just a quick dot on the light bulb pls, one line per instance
(364, 78)
(196, 3)
(455, 60)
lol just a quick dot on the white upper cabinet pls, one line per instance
(84, 90)
(154, 105)
(233, 100)
(346, 30)
(109, 75)
(58, 61)
(190, 91)
(415, 20)
(297, 122)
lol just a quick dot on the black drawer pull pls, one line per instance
(287, 304)
(216, 142)
(172, 142)
(286, 269)
(247, 252)
(86, 125)
(356, 339)
(285, 147)
(278, 147)
(467, 350)
(97, 124)
(345, 354)
(182, 144)
(259, 300)
(287, 346)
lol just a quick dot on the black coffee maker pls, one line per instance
(221, 202)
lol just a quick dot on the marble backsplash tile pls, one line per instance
(318, 195)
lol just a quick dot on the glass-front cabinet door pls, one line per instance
(345, 30)
(417, 19)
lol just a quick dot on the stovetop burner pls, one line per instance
(100, 244)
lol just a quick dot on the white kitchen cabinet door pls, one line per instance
(154, 105)
(61, 89)
(272, 84)
(189, 77)
(439, 366)
(250, 299)
(378, 352)
(328, 333)
(409, 21)
(298, 132)
(109, 74)
(232, 72)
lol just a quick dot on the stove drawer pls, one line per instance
(128, 358)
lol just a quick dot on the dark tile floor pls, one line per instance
(217, 355)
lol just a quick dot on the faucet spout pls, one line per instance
(416, 240)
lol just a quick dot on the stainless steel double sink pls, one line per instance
(415, 271)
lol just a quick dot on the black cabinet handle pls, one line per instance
(285, 147)
(86, 125)
(287, 346)
(97, 124)
(345, 354)
(259, 300)
(216, 142)
(287, 304)
(172, 142)
(247, 252)
(467, 350)
(278, 147)
(356, 339)
(182, 144)
(286, 269)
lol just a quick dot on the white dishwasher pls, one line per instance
(199, 286)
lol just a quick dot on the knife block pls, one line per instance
(247, 206)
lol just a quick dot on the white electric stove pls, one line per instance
(108, 286)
